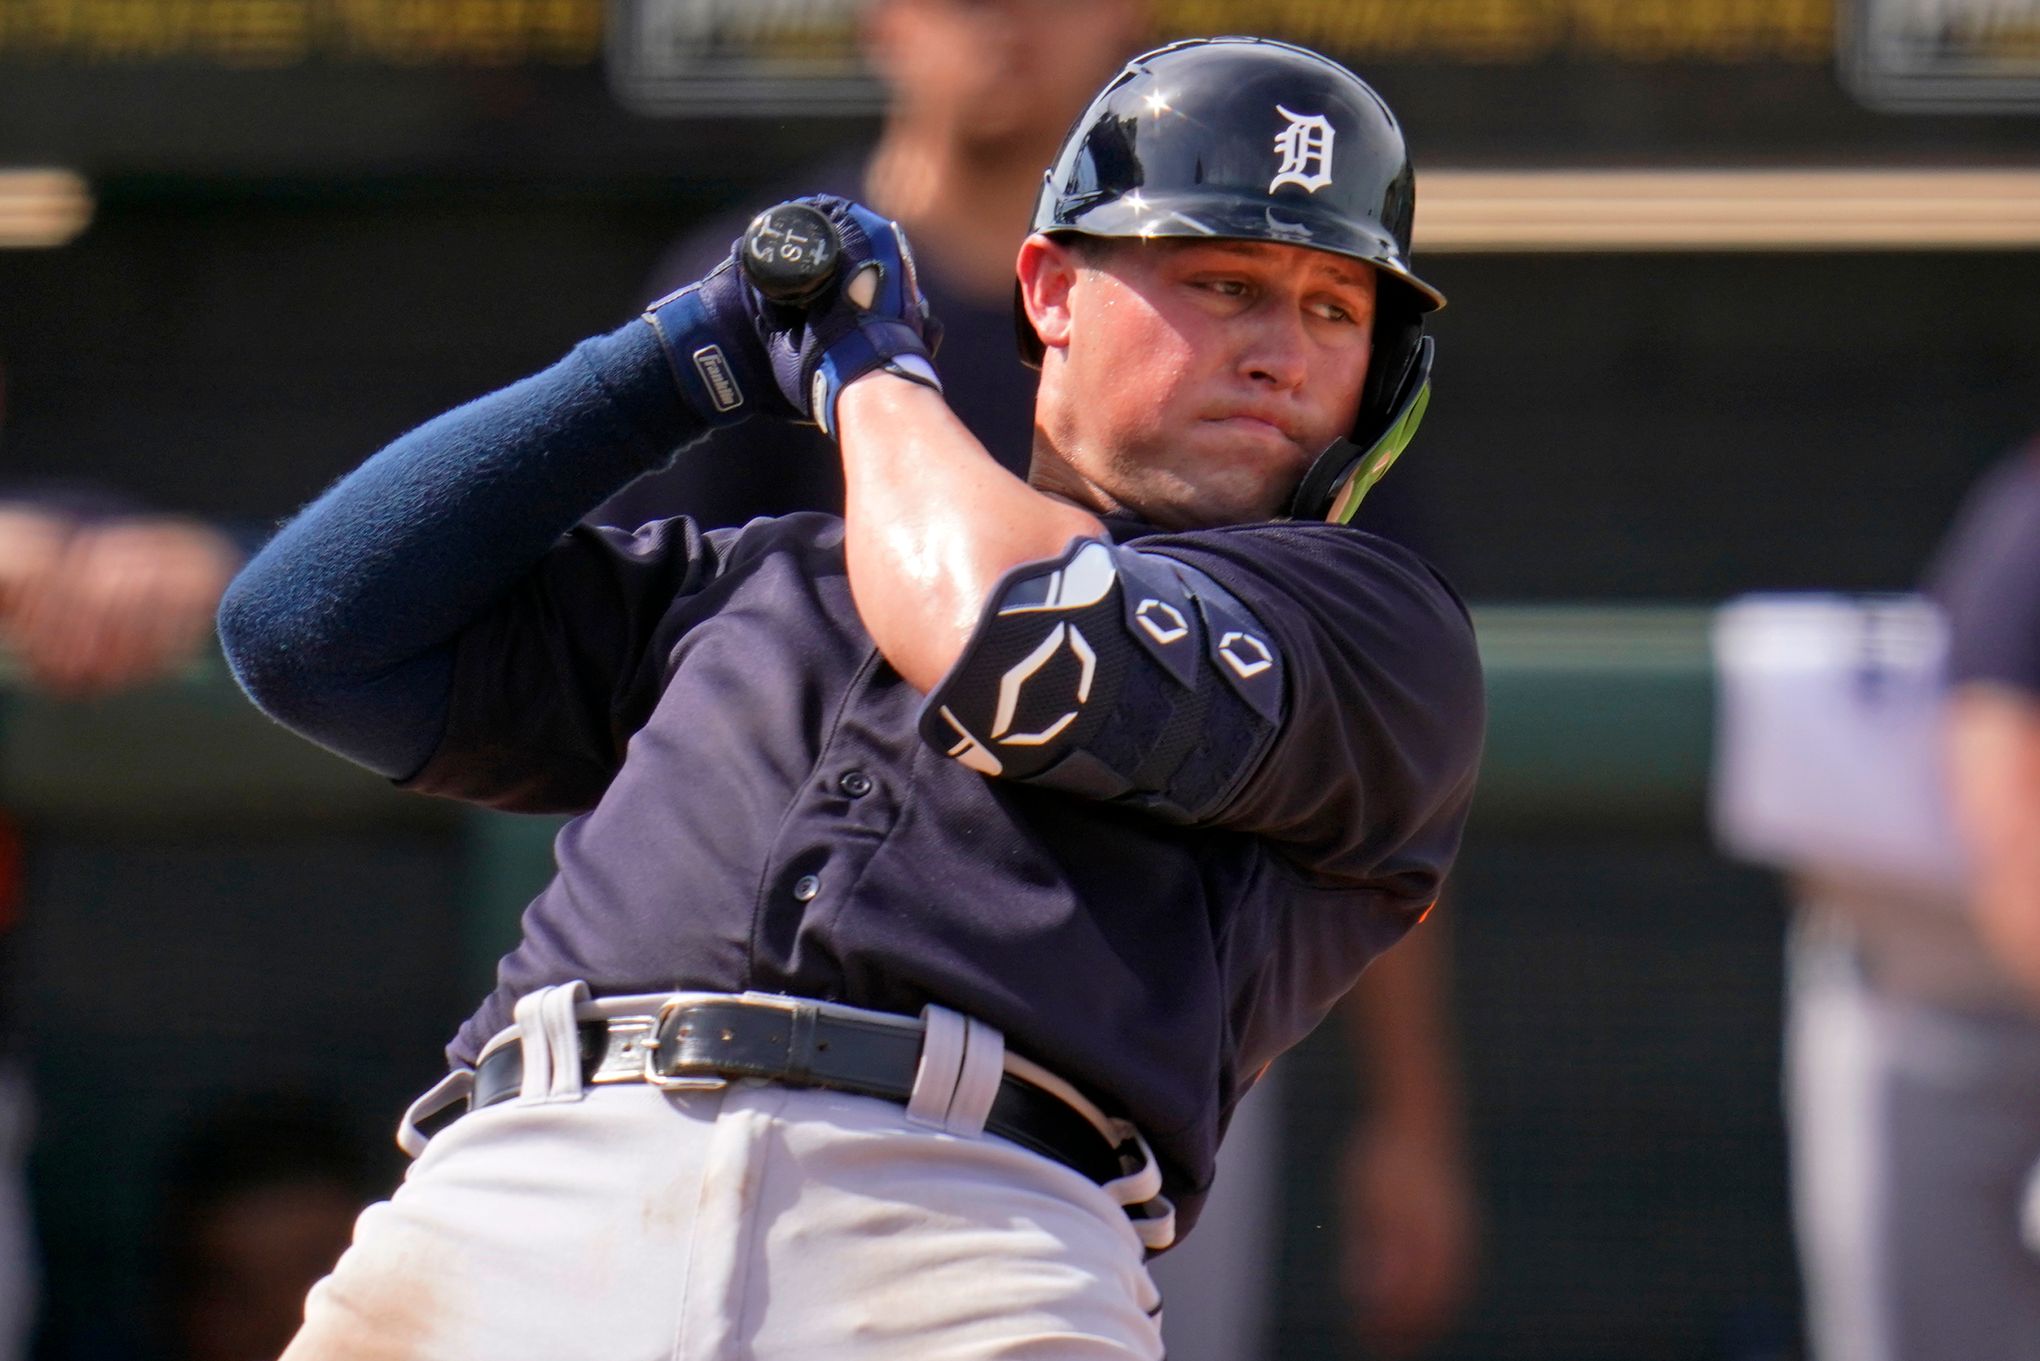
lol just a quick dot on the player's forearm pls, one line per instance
(933, 523)
(1400, 1030)
(342, 626)
(1995, 776)
(2008, 903)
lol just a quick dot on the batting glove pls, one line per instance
(713, 333)
(871, 316)
(735, 352)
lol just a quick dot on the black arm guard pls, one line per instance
(1113, 674)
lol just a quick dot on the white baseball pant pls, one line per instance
(626, 1223)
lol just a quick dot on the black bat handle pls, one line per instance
(790, 253)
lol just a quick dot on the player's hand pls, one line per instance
(871, 315)
(31, 547)
(1408, 1237)
(713, 332)
(736, 353)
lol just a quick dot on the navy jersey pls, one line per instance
(1987, 578)
(759, 807)
(758, 811)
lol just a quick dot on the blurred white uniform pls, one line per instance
(1912, 1060)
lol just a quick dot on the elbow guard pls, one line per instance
(1113, 673)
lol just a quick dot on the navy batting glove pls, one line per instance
(871, 316)
(713, 333)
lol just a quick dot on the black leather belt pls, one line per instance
(804, 1044)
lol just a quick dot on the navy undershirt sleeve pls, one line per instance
(343, 627)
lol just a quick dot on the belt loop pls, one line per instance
(962, 1063)
(1141, 1189)
(942, 1040)
(550, 1038)
(977, 1086)
(455, 1086)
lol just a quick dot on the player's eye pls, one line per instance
(1335, 312)
(1225, 288)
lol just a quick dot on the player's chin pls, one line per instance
(1232, 495)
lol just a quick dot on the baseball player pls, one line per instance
(944, 872)
(979, 95)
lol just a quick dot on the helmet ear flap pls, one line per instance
(1389, 414)
(1398, 337)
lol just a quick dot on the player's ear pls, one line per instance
(1048, 273)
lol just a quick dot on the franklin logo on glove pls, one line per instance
(715, 371)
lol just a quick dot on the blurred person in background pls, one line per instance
(258, 1201)
(1886, 753)
(1988, 581)
(979, 96)
(96, 596)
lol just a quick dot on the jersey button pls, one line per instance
(806, 887)
(855, 783)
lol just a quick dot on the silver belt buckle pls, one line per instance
(647, 1042)
(636, 1057)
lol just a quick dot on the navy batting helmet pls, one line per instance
(1256, 140)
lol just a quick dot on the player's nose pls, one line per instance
(1274, 347)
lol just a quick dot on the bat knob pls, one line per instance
(790, 253)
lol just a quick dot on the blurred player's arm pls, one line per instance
(89, 606)
(1994, 775)
(31, 544)
(1987, 580)
(1408, 1211)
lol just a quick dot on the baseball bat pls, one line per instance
(791, 253)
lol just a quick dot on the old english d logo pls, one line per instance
(1306, 150)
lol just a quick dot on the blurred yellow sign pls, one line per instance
(272, 33)
(1526, 30)
(791, 40)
